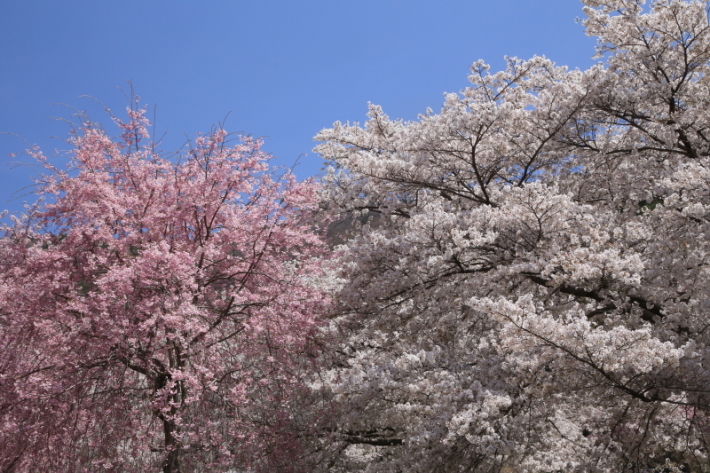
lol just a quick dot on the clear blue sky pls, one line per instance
(281, 69)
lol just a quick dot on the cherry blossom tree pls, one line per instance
(157, 312)
(531, 286)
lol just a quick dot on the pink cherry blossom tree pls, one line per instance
(156, 313)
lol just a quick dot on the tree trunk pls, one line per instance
(171, 464)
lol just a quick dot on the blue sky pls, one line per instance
(278, 69)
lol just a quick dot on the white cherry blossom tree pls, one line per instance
(530, 290)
